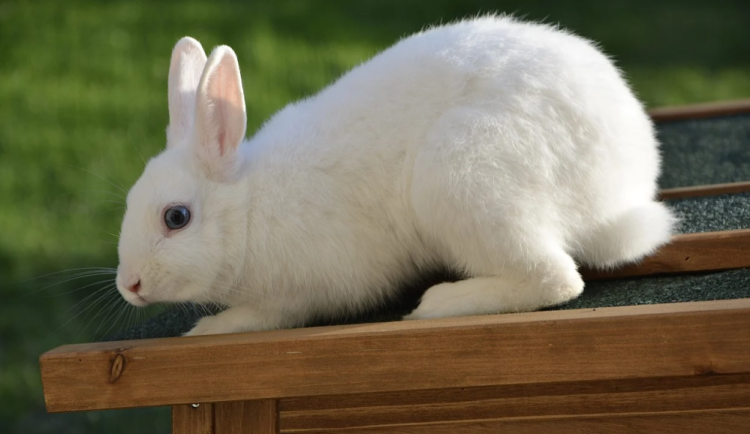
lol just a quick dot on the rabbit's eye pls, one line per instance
(177, 217)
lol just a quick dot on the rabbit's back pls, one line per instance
(540, 115)
(565, 120)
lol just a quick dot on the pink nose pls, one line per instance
(134, 288)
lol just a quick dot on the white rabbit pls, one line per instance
(498, 148)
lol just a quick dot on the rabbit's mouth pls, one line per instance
(133, 298)
(139, 301)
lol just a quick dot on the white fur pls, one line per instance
(498, 148)
(185, 69)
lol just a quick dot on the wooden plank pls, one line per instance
(465, 394)
(691, 422)
(704, 190)
(187, 419)
(688, 253)
(698, 111)
(681, 339)
(256, 417)
(514, 401)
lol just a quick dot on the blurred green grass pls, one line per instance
(83, 93)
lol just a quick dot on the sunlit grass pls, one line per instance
(665, 86)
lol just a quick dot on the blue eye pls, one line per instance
(177, 217)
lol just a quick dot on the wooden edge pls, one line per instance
(687, 253)
(633, 395)
(697, 111)
(191, 343)
(693, 339)
(730, 421)
(521, 392)
(704, 190)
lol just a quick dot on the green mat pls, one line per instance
(696, 152)
(705, 151)
(713, 213)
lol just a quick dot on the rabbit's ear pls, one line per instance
(220, 113)
(185, 69)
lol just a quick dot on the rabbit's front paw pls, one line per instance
(234, 320)
(439, 301)
(209, 325)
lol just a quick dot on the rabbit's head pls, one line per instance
(182, 236)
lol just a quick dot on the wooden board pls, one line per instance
(637, 395)
(187, 419)
(688, 253)
(256, 417)
(672, 340)
(704, 190)
(692, 422)
(697, 111)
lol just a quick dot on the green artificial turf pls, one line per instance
(83, 102)
(696, 152)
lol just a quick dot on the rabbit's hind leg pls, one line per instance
(550, 278)
(486, 222)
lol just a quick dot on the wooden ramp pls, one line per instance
(683, 365)
(666, 368)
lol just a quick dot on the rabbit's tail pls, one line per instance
(629, 237)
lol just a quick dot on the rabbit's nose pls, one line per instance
(134, 288)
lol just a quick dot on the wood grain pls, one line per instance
(256, 417)
(187, 419)
(704, 190)
(698, 111)
(691, 422)
(672, 340)
(514, 401)
(687, 253)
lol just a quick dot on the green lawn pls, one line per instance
(83, 93)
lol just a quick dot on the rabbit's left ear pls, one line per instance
(220, 118)
(185, 69)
